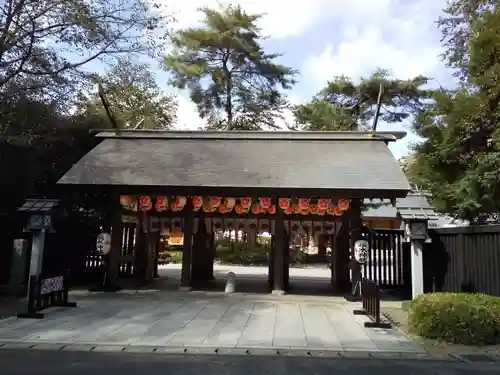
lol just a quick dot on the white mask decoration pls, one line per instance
(103, 243)
(361, 251)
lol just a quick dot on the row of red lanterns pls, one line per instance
(240, 205)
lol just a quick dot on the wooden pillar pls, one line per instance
(356, 223)
(278, 253)
(197, 253)
(341, 258)
(157, 254)
(211, 253)
(321, 243)
(150, 254)
(116, 240)
(286, 261)
(270, 272)
(187, 246)
(331, 259)
(356, 228)
(140, 241)
(202, 269)
(203, 254)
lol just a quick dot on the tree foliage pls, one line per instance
(134, 97)
(45, 44)
(232, 80)
(457, 27)
(48, 49)
(459, 159)
(346, 105)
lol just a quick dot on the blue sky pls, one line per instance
(323, 38)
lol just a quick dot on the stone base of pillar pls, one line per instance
(278, 292)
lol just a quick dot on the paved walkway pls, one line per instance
(163, 319)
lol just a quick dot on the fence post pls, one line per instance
(65, 292)
(371, 304)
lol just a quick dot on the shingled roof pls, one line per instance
(345, 161)
(413, 206)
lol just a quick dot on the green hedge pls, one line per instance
(235, 253)
(459, 318)
(244, 254)
(166, 257)
(241, 254)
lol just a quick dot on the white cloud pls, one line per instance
(187, 115)
(393, 34)
(281, 18)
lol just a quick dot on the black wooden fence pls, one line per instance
(463, 259)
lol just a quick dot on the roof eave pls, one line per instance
(248, 135)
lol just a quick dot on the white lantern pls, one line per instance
(361, 248)
(103, 243)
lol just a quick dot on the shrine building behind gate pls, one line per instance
(200, 182)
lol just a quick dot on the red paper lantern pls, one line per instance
(284, 203)
(145, 203)
(246, 202)
(313, 209)
(256, 209)
(126, 200)
(215, 201)
(271, 210)
(290, 210)
(303, 203)
(343, 204)
(180, 201)
(239, 209)
(197, 202)
(222, 209)
(323, 204)
(265, 202)
(338, 212)
(161, 204)
(321, 212)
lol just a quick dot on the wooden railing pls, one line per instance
(45, 292)
(370, 297)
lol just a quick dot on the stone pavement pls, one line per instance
(162, 319)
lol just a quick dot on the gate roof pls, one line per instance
(358, 163)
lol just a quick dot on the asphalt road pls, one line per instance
(24, 362)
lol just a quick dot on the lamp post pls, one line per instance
(39, 222)
(416, 232)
